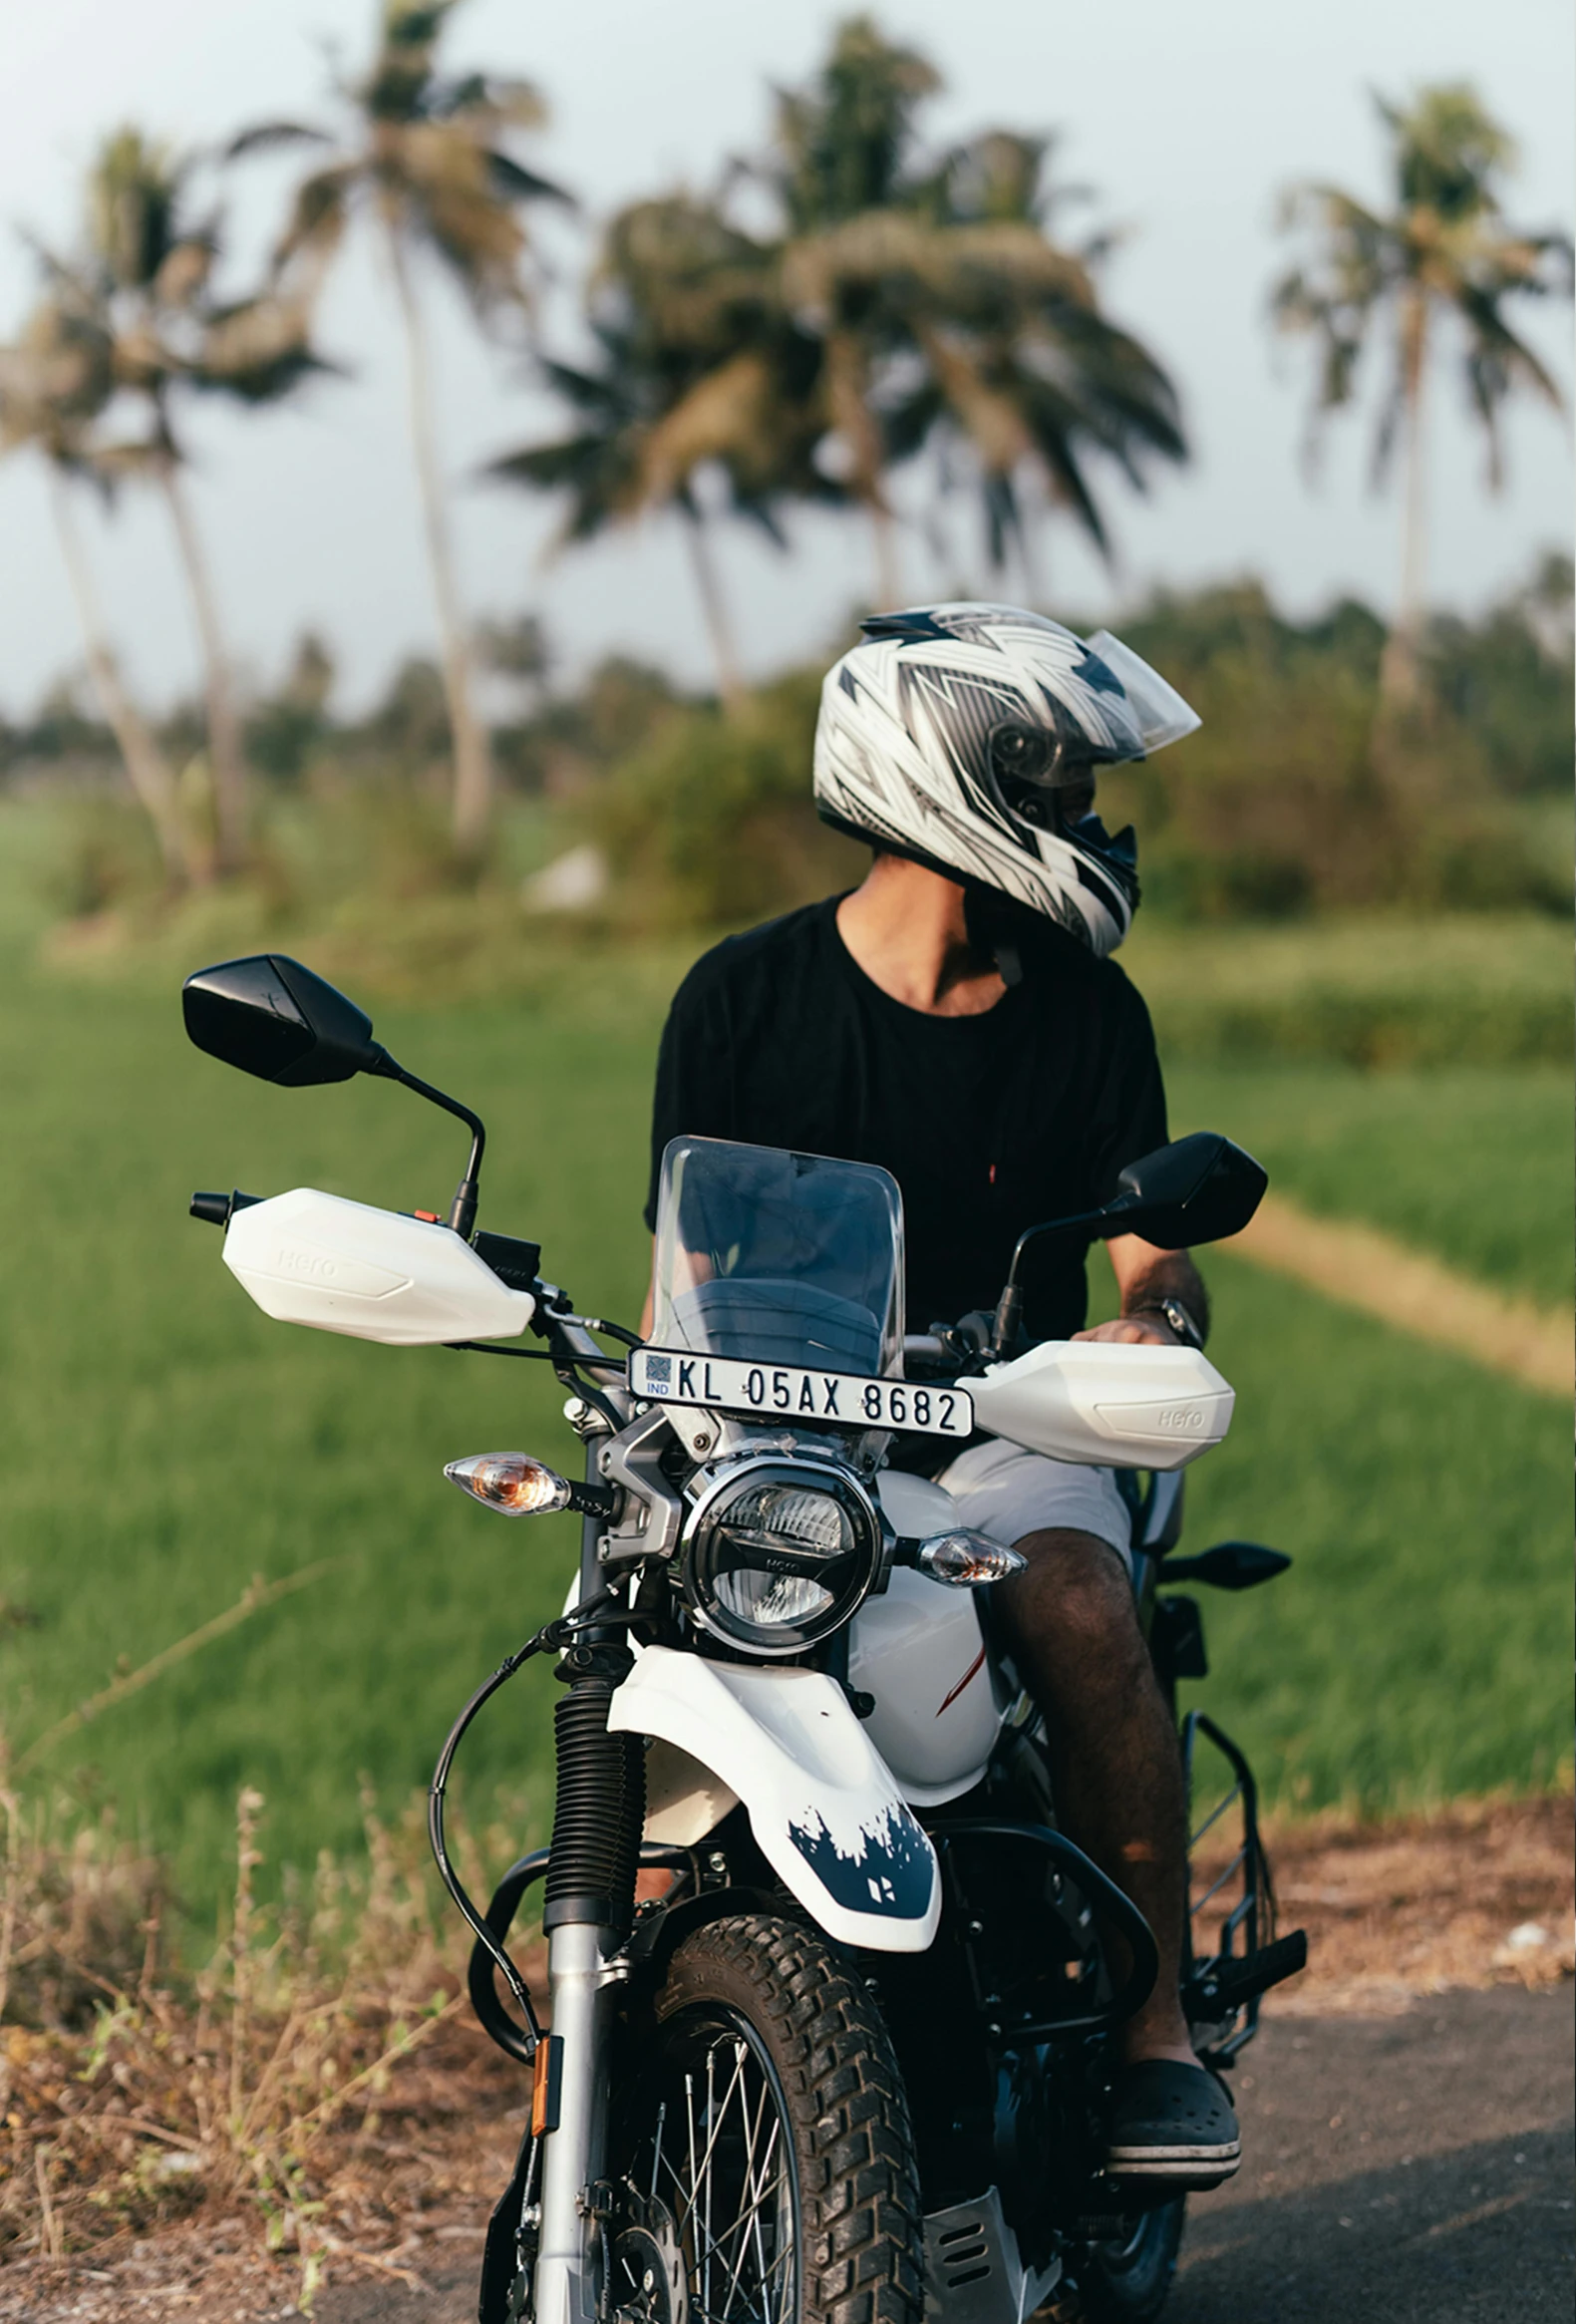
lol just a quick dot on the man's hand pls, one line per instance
(1151, 1331)
(1143, 1273)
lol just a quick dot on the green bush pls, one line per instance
(710, 823)
(1297, 793)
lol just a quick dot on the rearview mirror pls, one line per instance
(1196, 1190)
(273, 1018)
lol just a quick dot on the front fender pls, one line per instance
(824, 1807)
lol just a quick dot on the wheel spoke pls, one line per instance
(712, 2123)
(689, 2107)
(747, 2226)
(656, 2146)
(730, 2191)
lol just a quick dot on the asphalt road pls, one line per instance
(1412, 2169)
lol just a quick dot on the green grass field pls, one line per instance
(1470, 1162)
(161, 1441)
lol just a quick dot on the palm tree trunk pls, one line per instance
(473, 804)
(1033, 515)
(1398, 670)
(851, 415)
(714, 610)
(146, 769)
(888, 576)
(224, 731)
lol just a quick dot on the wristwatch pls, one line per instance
(1177, 1317)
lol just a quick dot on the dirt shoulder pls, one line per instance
(1452, 1931)
(1479, 1893)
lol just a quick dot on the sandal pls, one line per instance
(1172, 2121)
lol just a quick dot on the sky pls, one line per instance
(1187, 122)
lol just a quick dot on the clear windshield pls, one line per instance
(786, 1258)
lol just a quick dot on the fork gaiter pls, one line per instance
(599, 1813)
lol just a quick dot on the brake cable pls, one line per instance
(552, 1635)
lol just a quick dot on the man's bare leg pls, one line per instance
(1073, 1634)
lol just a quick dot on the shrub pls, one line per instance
(710, 823)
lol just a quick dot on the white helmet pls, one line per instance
(966, 738)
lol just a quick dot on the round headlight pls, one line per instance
(779, 1554)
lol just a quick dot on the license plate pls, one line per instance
(790, 1393)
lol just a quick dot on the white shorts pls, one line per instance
(1008, 1492)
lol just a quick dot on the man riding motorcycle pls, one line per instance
(957, 1018)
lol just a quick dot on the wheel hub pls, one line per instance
(649, 2284)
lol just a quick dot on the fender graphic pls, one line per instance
(825, 1810)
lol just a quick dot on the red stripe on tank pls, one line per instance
(976, 1665)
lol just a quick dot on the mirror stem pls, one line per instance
(1009, 1314)
(462, 1212)
(1010, 1306)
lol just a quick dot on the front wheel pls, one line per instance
(765, 2162)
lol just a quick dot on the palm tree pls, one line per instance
(1020, 362)
(1441, 254)
(425, 155)
(138, 295)
(695, 369)
(849, 249)
(944, 308)
(53, 383)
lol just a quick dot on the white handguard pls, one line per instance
(314, 1258)
(1110, 1404)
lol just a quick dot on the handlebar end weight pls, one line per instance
(220, 1210)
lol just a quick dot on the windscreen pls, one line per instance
(778, 1258)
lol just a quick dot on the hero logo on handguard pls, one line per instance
(791, 1392)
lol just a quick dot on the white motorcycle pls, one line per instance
(855, 2058)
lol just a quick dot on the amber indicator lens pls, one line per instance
(510, 1481)
(546, 2085)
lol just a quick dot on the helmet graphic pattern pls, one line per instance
(905, 753)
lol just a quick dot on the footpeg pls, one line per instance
(1223, 1985)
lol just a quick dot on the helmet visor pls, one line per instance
(1158, 711)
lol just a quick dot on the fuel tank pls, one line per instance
(919, 1650)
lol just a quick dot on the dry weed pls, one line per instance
(265, 2087)
(1477, 1892)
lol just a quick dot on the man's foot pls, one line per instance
(1172, 2121)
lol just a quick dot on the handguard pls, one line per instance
(1110, 1404)
(341, 1266)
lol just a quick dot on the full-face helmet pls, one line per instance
(968, 738)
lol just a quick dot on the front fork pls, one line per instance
(598, 1821)
(574, 2147)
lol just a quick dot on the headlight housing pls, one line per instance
(778, 1554)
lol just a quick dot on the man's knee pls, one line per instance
(1077, 1587)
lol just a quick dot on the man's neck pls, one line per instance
(907, 929)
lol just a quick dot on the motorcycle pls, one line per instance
(834, 2003)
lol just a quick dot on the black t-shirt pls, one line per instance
(989, 1123)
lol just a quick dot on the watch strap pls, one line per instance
(1177, 1316)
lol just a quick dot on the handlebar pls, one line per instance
(220, 1210)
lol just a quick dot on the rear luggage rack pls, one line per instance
(1221, 1988)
